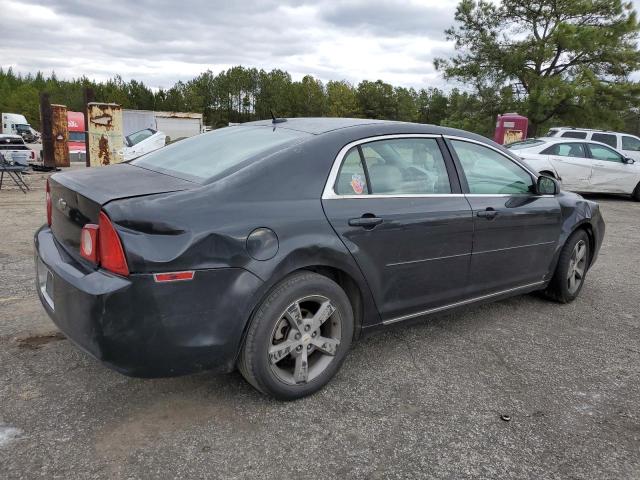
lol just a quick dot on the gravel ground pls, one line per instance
(420, 401)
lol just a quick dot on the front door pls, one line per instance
(516, 230)
(610, 173)
(407, 225)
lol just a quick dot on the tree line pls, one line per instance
(558, 62)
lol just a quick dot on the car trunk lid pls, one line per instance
(78, 196)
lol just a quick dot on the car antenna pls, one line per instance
(276, 120)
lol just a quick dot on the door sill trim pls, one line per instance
(460, 303)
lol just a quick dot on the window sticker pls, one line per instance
(357, 183)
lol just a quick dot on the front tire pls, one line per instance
(298, 337)
(571, 271)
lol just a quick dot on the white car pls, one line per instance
(628, 144)
(142, 142)
(582, 166)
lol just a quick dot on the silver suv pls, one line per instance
(628, 144)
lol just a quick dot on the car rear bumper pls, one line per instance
(142, 328)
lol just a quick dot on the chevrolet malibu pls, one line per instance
(273, 245)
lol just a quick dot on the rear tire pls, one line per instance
(298, 337)
(571, 271)
(636, 193)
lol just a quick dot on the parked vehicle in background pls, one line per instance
(628, 144)
(142, 142)
(272, 245)
(582, 166)
(16, 124)
(14, 151)
(77, 129)
(175, 125)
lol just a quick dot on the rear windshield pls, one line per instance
(208, 155)
(11, 141)
(524, 144)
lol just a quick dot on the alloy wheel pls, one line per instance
(304, 340)
(577, 267)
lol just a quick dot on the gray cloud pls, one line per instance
(392, 19)
(162, 41)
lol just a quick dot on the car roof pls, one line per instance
(593, 130)
(321, 125)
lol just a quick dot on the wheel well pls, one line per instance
(350, 287)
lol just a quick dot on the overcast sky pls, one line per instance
(161, 41)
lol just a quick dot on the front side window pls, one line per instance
(605, 138)
(489, 172)
(566, 150)
(630, 143)
(581, 135)
(600, 152)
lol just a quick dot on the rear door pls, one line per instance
(516, 230)
(572, 163)
(610, 173)
(396, 203)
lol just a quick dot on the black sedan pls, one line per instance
(272, 245)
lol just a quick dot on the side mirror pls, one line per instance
(547, 186)
(628, 160)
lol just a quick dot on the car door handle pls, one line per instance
(368, 221)
(489, 213)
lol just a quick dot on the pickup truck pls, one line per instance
(14, 150)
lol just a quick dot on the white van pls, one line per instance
(628, 144)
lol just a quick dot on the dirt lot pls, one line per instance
(413, 402)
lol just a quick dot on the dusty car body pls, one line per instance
(205, 246)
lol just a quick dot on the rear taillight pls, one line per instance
(110, 249)
(101, 245)
(48, 200)
(89, 242)
(33, 155)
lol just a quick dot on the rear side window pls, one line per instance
(605, 138)
(489, 172)
(352, 180)
(630, 143)
(406, 166)
(566, 150)
(581, 135)
(210, 155)
(552, 133)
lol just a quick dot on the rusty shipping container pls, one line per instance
(60, 130)
(105, 134)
